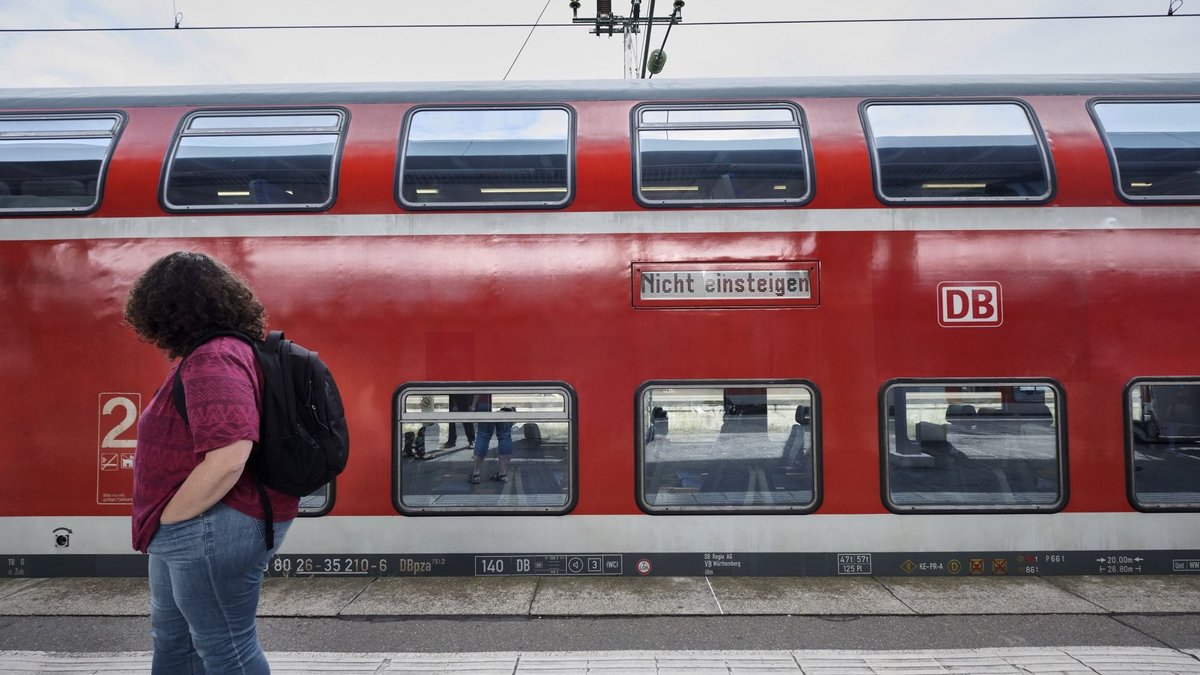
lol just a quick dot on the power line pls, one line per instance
(765, 22)
(533, 28)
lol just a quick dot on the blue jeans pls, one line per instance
(205, 577)
(483, 437)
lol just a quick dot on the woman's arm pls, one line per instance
(209, 482)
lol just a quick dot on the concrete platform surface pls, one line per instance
(759, 625)
(1135, 594)
(808, 662)
(369, 597)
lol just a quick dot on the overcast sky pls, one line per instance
(555, 51)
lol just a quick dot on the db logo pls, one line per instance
(968, 304)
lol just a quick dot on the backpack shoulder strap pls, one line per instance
(178, 395)
(272, 342)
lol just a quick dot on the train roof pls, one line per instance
(1185, 84)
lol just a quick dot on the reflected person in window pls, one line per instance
(483, 438)
(459, 403)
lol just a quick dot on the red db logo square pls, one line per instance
(970, 304)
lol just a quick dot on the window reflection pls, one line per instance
(1156, 147)
(707, 447)
(225, 162)
(275, 122)
(718, 116)
(938, 152)
(443, 465)
(69, 126)
(1164, 427)
(318, 501)
(965, 121)
(711, 154)
(973, 446)
(494, 157)
(53, 164)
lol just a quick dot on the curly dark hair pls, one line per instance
(184, 295)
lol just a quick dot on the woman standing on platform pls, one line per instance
(196, 508)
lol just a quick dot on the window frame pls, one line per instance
(182, 132)
(1061, 443)
(1130, 465)
(639, 448)
(571, 415)
(801, 124)
(402, 156)
(119, 118)
(1113, 165)
(1035, 126)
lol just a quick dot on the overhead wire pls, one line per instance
(531, 29)
(762, 22)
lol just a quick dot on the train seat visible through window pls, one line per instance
(52, 188)
(51, 193)
(795, 448)
(531, 440)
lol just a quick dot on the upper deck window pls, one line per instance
(974, 445)
(494, 157)
(52, 164)
(960, 152)
(1154, 147)
(255, 160)
(710, 155)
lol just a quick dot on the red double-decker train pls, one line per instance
(774, 327)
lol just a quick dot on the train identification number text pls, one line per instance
(590, 564)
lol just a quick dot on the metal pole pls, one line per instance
(631, 70)
(649, 25)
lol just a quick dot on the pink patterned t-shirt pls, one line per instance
(224, 399)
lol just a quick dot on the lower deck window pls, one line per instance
(1164, 444)
(318, 502)
(974, 445)
(490, 448)
(727, 446)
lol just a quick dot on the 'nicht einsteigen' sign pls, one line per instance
(749, 284)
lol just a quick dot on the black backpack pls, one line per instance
(303, 440)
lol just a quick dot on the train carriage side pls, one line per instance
(782, 330)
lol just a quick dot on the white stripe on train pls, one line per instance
(976, 218)
(814, 533)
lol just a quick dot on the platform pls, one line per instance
(654, 625)
(524, 597)
(1118, 661)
